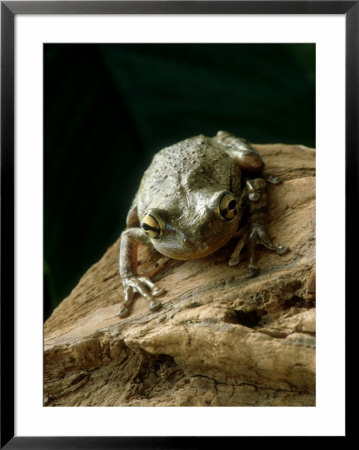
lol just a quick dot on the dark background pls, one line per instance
(108, 108)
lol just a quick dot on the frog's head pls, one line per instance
(200, 225)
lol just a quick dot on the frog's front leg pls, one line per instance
(258, 234)
(131, 282)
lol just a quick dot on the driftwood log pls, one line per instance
(219, 340)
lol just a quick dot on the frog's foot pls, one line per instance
(144, 287)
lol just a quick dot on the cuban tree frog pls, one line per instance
(193, 198)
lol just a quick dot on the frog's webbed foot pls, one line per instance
(143, 286)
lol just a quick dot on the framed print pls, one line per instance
(190, 295)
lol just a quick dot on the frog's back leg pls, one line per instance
(241, 150)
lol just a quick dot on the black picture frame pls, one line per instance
(9, 10)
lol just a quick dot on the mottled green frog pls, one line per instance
(193, 198)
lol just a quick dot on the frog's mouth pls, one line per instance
(188, 250)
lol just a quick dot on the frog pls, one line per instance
(194, 197)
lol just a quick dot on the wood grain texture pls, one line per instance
(220, 339)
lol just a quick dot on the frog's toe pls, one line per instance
(282, 249)
(272, 179)
(234, 261)
(155, 305)
(254, 196)
(123, 312)
(154, 289)
(128, 295)
(157, 291)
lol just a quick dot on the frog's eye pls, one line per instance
(151, 226)
(227, 206)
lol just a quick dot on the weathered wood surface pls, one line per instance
(219, 340)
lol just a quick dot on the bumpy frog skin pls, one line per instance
(194, 197)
